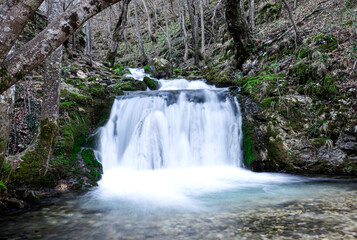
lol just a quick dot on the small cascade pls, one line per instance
(173, 129)
(169, 148)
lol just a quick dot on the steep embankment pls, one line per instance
(300, 100)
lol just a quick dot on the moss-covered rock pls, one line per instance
(131, 85)
(269, 12)
(34, 161)
(151, 83)
(326, 43)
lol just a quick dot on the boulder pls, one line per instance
(161, 68)
(151, 83)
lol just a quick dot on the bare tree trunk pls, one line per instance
(14, 15)
(167, 31)
(117, 34)
(38, 154)
(251, 14)
(88, 28)
(214, 21)
(292, 21)
(193, 30)
(202, 30)
(181, 7)
(294, 4)
(172, 9)
(155, 13)
(239, 30)
(33, 53)
(152, 37)
(7, 100)
(139, 34)
(108, 21)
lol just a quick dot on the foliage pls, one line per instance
(326, 43)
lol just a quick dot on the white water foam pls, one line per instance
(167, 148)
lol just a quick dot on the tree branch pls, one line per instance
(14, 16)
(39, 48)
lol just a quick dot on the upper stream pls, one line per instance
(173, 169)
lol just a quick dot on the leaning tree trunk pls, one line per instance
(118, 34)
(34, 52)
(239, 30)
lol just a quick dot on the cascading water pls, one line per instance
(172, 146)
(172, 129)
(173, 170)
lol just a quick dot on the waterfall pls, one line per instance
(168, 148)
(172, 129)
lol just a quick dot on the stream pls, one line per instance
(173, 169)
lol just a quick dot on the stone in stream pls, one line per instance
(161, 68)
(151, 83)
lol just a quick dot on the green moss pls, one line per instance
(97, 90)
(5, 79)
(131, 85)
(2, 186)
(269, 101)
(326, 43)
(147, 69)
(152, 84)
(72, 134)
(92, 164)
(75, 97)
(68, 106)
(277, 155)
(31, 169)
(177, 71)
(269, 12)
(303, 72)
(2, 151)
(248, 145)
(303, 52)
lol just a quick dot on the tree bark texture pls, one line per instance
(251, 14)
(167, 31)
(88, 30)
(193, 29)
(292, 21)
(7, 100)
(118, 34)
(33, 53)
(53, 70)
(14, 16)
(202, 29)
(181, 6)
(138, 33)
(239, 30)
(152, 37)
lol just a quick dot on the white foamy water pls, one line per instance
(170, 147)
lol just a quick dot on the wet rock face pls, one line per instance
(348, 142)
(271, 145)
(161, 68)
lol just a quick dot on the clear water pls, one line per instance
(172, 170)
